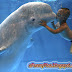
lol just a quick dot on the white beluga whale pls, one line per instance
(16, 30)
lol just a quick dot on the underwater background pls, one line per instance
(43, 46)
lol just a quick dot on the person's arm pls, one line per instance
(60, 29)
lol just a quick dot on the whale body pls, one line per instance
(16, 30)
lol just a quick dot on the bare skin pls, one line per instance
(61, 27)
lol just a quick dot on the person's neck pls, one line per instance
(62, 22)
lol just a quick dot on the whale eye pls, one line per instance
(33, 19)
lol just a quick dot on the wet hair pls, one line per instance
(67, 13)
(65, 8)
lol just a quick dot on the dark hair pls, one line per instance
(65, 9)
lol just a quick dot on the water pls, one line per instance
(44, 46)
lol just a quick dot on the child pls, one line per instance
(61, 27)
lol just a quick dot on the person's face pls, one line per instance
(60, 15)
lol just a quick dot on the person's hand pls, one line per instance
(54, 26)
(43, 23)
(52, 22)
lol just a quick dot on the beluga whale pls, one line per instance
(16, 30)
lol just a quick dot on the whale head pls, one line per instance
(33, 12)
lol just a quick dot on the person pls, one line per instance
(61, 26)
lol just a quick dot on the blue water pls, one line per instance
(44, 45)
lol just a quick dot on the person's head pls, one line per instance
(63, 14)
